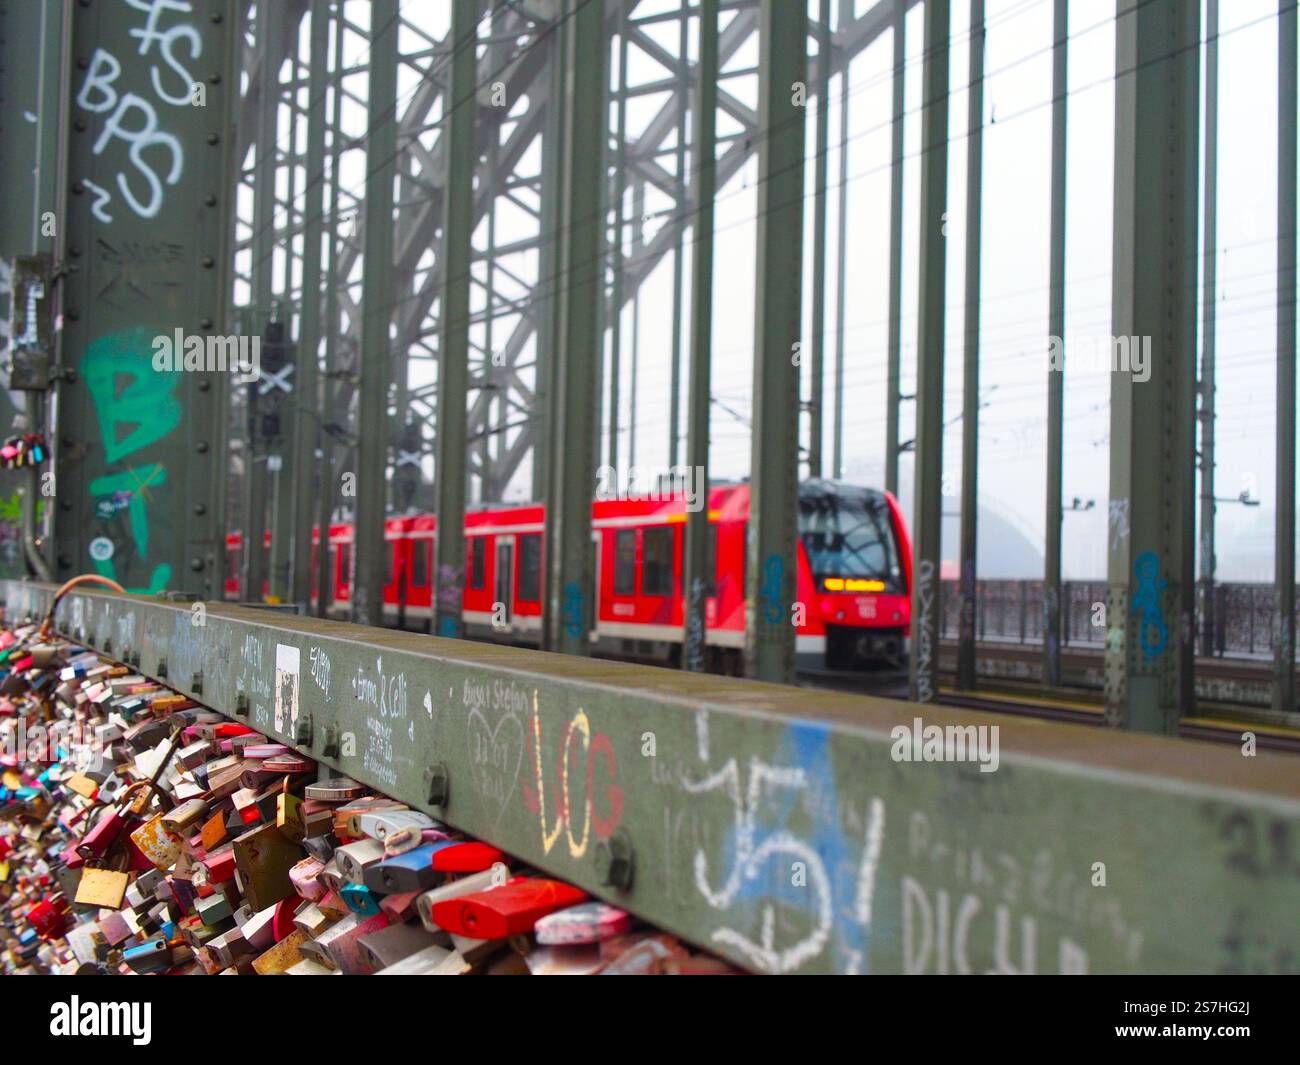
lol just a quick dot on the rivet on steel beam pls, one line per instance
(214, 79)
(205, 323)
(74, 253)
(209, 200)
(614, 860)
(77, 188)
(65, 504)
(302, 731)
(213, 138)
(216, 16)
(73, 315)
(201, 447)
(205, 386)
(196, 564)
(438, 782)
(208, 262)
(241, 704)
(200, 509)
(79, 125)
(65, 561)
(330, 749)
(83, 64)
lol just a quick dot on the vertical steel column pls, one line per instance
(1149, 608)
(270, 32)
(306, 417)
(1284, 538)
(817, 369)
(841, 261)
(568, 541)
(774, 467)
(284, 513)
(551, 275)
(141, 475)
(377, 305)
(1209, 312)
(893, 355)
(638, 248)
(457, 255)
(970, 431)
(679, 223)
(1056, 333)
(924, 664)
(620, 195)
(324, 561)
(697, 577)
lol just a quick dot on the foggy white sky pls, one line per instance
(1015, 251)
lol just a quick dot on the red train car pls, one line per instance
(853, 581)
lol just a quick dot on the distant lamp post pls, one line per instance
(1244, 498)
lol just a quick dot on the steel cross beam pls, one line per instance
(744, 782)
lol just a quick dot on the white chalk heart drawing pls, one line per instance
(496, 755)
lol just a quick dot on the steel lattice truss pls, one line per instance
(517, 69)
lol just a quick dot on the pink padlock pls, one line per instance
(305, 877)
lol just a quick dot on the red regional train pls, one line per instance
(854, 575)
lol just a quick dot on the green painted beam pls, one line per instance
(695, 578)
(774, 463)
(893, 357)
(307, 410)
(1284, 663)
(923, 681)
(1052, 607)
(970, 426)
(784, 833)
(1150, 598)
(377, 299)
(456, 254)
(570, 589)
(141, 460)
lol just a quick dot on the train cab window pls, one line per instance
(625, 562)
(849, 534)
(530, 568)
(657, 558)
(420, 563)
(478, 562)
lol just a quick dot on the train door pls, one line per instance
(505, 582)
(593, 564)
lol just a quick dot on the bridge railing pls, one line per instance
(1011, 611)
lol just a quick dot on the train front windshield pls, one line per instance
(850, 542)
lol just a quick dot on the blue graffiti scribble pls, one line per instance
(1146, 604)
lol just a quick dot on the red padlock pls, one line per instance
(508, 910)
(49, 917)
(466, 858)
(96, 842)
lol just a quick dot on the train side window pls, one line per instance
(420, 563)
(657, 561)
(478, 562)
(625, 562)
(390, 549)
(345, 565)
(315, 584)
(530, 568)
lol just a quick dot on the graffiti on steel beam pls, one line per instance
(135, 409)
(789, 893)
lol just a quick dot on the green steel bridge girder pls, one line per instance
(769, 824)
